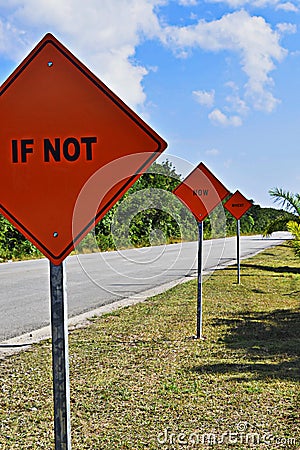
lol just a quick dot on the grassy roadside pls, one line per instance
(139, 380)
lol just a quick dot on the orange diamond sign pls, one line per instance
(65, 136)
(201, 192)
(237, 205)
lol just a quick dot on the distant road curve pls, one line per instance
(97, 279)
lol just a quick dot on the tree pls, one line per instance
(290, 220)
(148, 213)
(13, 245)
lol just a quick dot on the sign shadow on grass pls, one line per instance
(270, 342)
(281, 269)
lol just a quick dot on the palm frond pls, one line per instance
(286, 199)
(279, 224)
(294, 228)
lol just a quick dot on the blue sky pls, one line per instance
(219, 80)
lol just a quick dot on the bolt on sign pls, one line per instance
(201, 192)
(60, 125)
(237, 205)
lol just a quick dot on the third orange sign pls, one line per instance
(237, 205)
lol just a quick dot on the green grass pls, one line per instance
(138, 372)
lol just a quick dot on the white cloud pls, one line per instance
(288, 6)
(103, 37)
(213, 152)
(287, 28)
(237, 104)
(278, 4)
(232, 3)
(13, 43)
(241, 3)
(106, 39)
(205, 98)
(234, 101)
(250, 37)
(217, 117)
(188, 2)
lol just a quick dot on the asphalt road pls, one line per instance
(97, 279)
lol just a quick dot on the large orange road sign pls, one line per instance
(237, 205)
(59, 126)
(201, 192)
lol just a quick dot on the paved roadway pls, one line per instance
(97, 279)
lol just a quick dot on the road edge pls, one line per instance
(25, 341)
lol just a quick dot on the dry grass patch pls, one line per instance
(139, 380)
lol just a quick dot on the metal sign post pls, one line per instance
(201, 192)
(199, 299)
(60, 363)
(238, 251)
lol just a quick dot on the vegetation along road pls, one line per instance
(103, 278)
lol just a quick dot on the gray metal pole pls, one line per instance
(238, 251)
(199, 299)
(60, 358)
